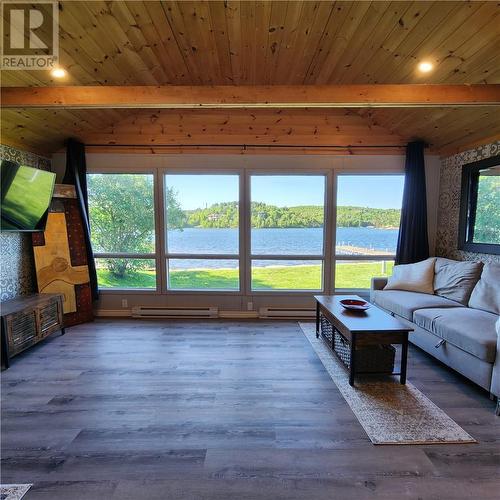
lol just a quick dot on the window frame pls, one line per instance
(339, 257)
(130, 255)
(468, 206)
(166, 255)
(182, 166)
(322, 258)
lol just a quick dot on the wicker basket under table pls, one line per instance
(369, 359)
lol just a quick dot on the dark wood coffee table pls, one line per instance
(363, 328)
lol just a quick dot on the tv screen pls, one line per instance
(25, 197)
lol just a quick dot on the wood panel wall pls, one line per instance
(265, 42)
(273, 42)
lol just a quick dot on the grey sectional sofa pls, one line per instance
(463, 333)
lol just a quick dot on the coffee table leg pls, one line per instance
(317, 319)
(404, 360)
(352, 368)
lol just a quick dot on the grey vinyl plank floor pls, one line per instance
(131, 409)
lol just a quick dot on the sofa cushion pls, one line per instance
(456, 280)
(468, 329)
(418, 277)
(443, 261)
(405, 303)
(486, 294)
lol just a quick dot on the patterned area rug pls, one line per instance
(389, 412)
(13, 491)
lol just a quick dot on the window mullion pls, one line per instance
(161, 228)
(364, 257)
(285, 257)
(122, 255)
(205, 256)
(330, 233)
(246, 228)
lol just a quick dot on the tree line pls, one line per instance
(225, 215)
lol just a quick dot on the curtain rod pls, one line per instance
(244, 146)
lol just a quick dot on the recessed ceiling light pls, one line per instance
(425, 66)
(58, 73)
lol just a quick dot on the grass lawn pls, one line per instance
(308, 277)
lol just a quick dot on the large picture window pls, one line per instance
(367, 226)
(202, 231)
(122, 221)
(287, 242)
(235, 232)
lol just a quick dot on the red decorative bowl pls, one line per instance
(355, 304)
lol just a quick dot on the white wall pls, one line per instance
(354, 163)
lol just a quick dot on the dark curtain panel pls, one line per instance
(413, 243)
(76, 174)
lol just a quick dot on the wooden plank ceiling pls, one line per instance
(266, 43)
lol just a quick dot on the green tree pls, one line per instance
(176, 217)
(121, 210)
(487, 227)
(270, 216)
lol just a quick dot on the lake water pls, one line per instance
(289, 241)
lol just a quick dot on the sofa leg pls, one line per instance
(492, 396)
(497, 411)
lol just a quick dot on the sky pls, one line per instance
(375, 191)
(199, 191)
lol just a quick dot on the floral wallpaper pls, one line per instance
(449, 203)
(17, 271)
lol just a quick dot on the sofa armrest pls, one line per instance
(378, 283)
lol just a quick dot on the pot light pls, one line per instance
(425, 66)
(58, 73)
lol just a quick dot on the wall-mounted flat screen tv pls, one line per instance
(25, 197)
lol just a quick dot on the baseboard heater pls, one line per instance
(174, 312)
(286, 312)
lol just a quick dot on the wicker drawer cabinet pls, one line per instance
(28, 320)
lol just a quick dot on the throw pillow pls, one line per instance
(456, 280)
(416, 277)
(486, 294)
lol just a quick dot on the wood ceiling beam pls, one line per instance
(275, 96)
